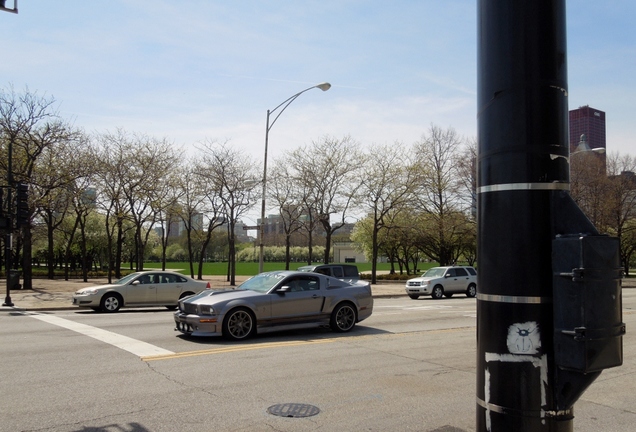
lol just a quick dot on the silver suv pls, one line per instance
(443, 281)
(346, 272)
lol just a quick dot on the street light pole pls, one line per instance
(322, 86)
(9, 235)
(8, 238)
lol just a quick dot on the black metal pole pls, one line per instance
(523, 161)
(8, 238)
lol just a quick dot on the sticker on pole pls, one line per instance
(524, 338)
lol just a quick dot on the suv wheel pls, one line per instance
(438, 292)
(471, 291)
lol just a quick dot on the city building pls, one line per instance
(587, 123)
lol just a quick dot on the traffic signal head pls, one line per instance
(22, 211)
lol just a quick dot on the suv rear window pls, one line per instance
(350, 271)
(471, 271)
(336, 272)
(460, 272)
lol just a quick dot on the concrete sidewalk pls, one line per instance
(57, 294)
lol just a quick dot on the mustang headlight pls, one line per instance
(206, 310)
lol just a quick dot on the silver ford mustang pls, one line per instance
(279, 300)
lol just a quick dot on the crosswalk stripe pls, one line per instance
(134, 346)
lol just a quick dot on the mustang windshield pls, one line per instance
(262, 282)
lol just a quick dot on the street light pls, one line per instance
(3, 6)
(581, 147)
(322, 86)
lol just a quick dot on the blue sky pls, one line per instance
(191, 70)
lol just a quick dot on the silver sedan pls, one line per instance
(140, 289)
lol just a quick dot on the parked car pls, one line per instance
(140, 289)
(444, 281)
(278, 300)
(347, 272)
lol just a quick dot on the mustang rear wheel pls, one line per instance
(111, 302)
(343, 318)
(238, 324)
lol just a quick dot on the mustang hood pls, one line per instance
(213, 296)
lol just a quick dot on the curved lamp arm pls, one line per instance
(322, 86)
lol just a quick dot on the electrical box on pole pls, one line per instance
(22, 207)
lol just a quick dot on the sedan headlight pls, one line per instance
(206, 310)
(87, 292)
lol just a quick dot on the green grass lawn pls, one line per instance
(219, 268)
(251, 268)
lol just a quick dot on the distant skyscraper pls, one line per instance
(590, 122)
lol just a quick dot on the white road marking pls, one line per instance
(134, 346)
(427, 307)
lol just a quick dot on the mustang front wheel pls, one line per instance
(238, 324)
(343, 318)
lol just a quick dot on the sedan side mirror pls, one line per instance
(135, 282)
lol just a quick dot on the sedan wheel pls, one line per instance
(471, 291)
(238, 324)
(343, 318)
(111, 302)
(438, 292)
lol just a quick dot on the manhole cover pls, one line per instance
(293, 410)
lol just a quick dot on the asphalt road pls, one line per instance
(410, 367)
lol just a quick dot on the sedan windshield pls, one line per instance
(434, 272)
(262, 282)
(126, 279)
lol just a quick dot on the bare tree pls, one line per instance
(589, 186)
(29, 125)
(165, 205)
(287, 196)
(387, 186)
(329, 170)
(231, 177)
(621, 203)
(112, 160)
(145, 178)
(439, 194)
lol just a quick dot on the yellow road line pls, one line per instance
(258, 346)
(235, 349)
